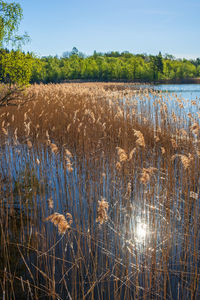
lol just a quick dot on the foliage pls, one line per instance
(113, 66)
(10, 18)
(16, 67)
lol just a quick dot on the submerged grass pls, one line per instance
(116, 169)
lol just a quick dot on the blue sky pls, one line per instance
(142, 26)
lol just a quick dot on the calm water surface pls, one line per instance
(188, 92)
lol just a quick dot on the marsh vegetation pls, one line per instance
(99, 194)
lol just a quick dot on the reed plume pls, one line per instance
(60, 221)
(131, 153)
(29, 144)
(146, 174)
(185, 160)
(68, 158)
(122, 154)
(118, 166)
(68, 153)
(54, 148)
(5, 131)
(102, 211)
(195, 128)
(140, 142)
(162, 150)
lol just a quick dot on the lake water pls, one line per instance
(191, 91)
(186, 92)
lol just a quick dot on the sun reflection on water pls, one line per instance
(141, 231)
(139, 235)
(145, 230)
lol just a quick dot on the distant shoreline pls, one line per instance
(179, 81)
(164, 81)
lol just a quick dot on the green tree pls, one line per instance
(53, 69)
(10, 18)
(186, 70)
(74, 51)
(134, 67)
(39, 73)
(16, 70)
(15, 66)
(157, 65)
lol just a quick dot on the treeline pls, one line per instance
(114, 66)
(111, 66)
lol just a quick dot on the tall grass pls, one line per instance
(99, 194)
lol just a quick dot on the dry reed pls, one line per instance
(60, 221)
(102, 211)
(74, 143)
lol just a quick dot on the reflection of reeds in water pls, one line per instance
(74, 144)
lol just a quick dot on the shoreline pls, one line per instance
(164, 81)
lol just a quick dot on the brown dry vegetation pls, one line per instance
(117, 172)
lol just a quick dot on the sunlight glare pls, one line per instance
(141, 231)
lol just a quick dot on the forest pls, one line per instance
(110, 66)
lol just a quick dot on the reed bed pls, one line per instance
(99, 194)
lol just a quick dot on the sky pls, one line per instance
(137, 26)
